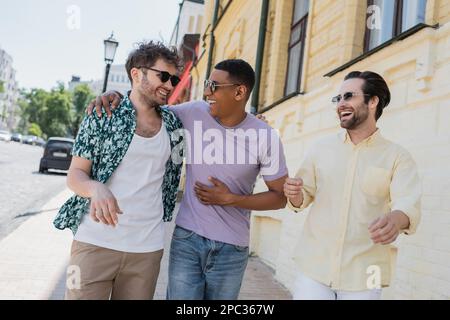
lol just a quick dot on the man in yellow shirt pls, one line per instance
(364, 192)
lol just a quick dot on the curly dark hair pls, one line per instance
(147, 53)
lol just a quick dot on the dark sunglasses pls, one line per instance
(346, 96)
(165, 76)
(212, 85)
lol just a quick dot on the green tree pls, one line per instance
(35, 106)
(23, 125)
(56, 118)
(51, 111)
(2, 88)
(35, 130)
(81, 96)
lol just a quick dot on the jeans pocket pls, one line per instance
(181, 233)
(240, 248)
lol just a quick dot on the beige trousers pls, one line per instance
(109, 274)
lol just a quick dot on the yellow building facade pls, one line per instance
(307, 49)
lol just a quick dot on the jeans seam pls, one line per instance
(211, 250)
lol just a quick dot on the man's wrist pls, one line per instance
(401, 220)
(92, 187)
(296, 202)
(232, 199)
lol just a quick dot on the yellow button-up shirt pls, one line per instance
(349, 186)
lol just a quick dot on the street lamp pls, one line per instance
(110, 51)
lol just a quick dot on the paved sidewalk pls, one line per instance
(34, 259)
(34, 256)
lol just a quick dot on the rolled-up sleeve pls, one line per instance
(406, 190)
(307, 174)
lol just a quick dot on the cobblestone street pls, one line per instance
(23, 190)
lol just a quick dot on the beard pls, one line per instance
(360, 115)
(148, 94)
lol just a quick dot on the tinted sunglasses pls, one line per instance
(346, 96)
(212, 85)
(165, 76)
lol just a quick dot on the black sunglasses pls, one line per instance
(165, 76)
(347, 96)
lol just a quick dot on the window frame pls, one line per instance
(303, 21)
(397, 24)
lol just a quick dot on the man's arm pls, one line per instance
(386, 229)
(110, 100)
(293, 192)
(219, 194)
(405, 194)
(104, 206)
(301, 190)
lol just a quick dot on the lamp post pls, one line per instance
(110, 51)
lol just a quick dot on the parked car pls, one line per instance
(29, 140)
(5, 136)
(17, 137)
(57, 154)
(40, 142)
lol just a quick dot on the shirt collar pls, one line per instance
(345, 138)
(126, 104)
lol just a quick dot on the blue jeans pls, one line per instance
(200, 268)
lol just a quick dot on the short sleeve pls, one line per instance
(87, 138)
(273, 161)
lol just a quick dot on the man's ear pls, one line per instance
(134, 72)
(373, 102)
(241, 93)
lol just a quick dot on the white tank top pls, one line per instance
(136, 184)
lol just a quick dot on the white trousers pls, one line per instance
(309, 289)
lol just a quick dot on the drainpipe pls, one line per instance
(260, 55)
(211, 42)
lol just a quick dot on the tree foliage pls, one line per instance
(35, 130)
(57, 112)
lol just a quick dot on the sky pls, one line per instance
(51, 40)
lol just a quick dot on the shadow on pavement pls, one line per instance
(32, 213)
(51, 173)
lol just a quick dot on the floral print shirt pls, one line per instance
(105, 142)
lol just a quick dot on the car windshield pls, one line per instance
(60, 144)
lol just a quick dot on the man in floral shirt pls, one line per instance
(123, 174)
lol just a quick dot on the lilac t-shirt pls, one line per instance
(233, 155)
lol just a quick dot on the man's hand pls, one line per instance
(104, 206)
(385, 229)
(293, 191)
(110, 100)
(219, 194)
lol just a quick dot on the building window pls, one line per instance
(387, 19)
(296, 46)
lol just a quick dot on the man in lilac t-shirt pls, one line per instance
(226, 149)
(228, 224)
